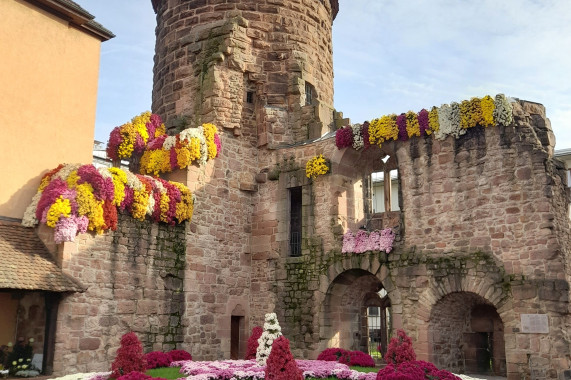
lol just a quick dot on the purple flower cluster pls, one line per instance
(365, 133)
(414, 370)
(423, 122)
(344, 137)
(103, 188)
(363, 241)
(401, 124)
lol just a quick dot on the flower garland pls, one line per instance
(444, 121)
(178, 152)
(364, 241)
(316, 166)
(73, 199)
(133, 137)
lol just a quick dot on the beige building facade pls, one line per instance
(50, 70)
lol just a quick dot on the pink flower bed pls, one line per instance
(249, 369)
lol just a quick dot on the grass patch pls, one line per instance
(166, 373)
(365, 369)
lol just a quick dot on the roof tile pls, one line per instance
(27, 264)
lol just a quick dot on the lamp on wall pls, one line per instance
(385, 159)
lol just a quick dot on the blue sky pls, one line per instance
(390, 56)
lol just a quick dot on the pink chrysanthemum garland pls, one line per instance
(441, 122)
(74, 199)
(364, 241)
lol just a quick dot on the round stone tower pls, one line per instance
(260, 68)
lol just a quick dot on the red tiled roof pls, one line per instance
(25, 262)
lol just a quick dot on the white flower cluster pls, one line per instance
(358, 141)
(272, 330)
(29, 219)
(503, 111)
(449, 117)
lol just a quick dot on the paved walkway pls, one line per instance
(478, 377)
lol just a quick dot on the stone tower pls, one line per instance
(263, 69)
(262, 72)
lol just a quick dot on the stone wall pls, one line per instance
(135, 281)
(483, 217)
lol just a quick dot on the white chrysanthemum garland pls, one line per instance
(272, 331)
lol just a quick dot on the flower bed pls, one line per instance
(250, 370)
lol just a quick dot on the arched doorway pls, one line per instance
(466, 335)
(356, 312)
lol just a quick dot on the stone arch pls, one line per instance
(466, 334)
(455, 294)
(348, 160)
(344, 294)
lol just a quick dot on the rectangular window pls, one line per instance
(308, 94)
(250, 97)
(295, 221)
(383, 194)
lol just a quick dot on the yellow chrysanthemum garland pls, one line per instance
(316, 166)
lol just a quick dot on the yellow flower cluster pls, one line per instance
(412, 126)
(125, 149)
(89, 206)
(316, 166)
(433, 120)
(488, 106)
(185, 208)
(162, 130)
(140, 203)
(119, 179)
(470, 113)
(155, 161)
(383, 129)
(60, 207)
(72, 179)
(164, 206)
(140, 125)
(209, 132)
